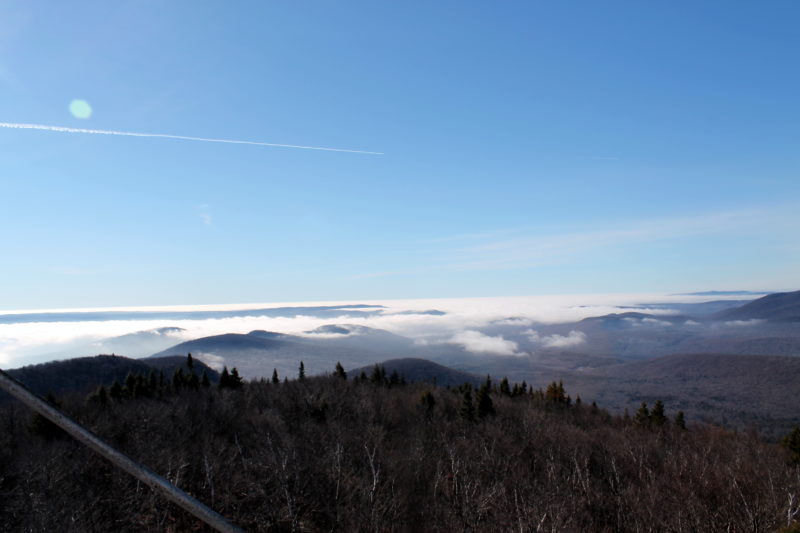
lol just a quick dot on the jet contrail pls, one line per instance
(63, 129)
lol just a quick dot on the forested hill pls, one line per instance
(83, 374)
(335, 453)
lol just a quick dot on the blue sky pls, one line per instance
(529, 148)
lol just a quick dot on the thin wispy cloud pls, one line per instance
(538, 247)
(557, 247)
(64, 129)
(204, 215)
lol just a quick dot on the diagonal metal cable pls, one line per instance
(117, 458)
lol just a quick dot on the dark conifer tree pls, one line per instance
(555, 393)
(190, 362)
(504, 388)
(204, 381)
(642, 416)
(657, 416)
(178, 380)
(467, 407)
(224, 378)
(42, 427)
(235, 381)
(116, 391)
(427, 401)
(339, 372)
(680, 420)
(275, 379)
(792, 443)
(485, 405)
(99, 397)
(141, 390)
(193, 382)
(130, 385)
(378, 376)
(301, 374)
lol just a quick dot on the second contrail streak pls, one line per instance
(63, 129)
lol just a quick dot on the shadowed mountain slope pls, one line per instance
(255, 354)
(778, 307)
(422, 370)
(83, 374)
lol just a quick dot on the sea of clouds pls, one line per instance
(23, 340)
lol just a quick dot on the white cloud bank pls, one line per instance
(477, 342)
(573, 338)
(34, 342)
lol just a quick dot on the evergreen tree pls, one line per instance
(555, 393)
(98, 397)
(42, 427)
(224, 378)
(657, 416)
(485, 406)
(792, 443)
(394, 378)
(130, 384)
(190, 362)
(116, 391)
(204, 381)
(235, 381)
(427, 401)
(301, 375)
(504, 388)
(467, 407)
(339, 372)
(178, 379)
(378, 375)
(193, 382)
(140, 388)
(680, 421)
(275, 379)
(642, 416)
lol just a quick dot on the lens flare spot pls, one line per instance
(80, 109)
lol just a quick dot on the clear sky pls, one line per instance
(528, 148)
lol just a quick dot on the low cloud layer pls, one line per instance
(213, 361)
(477, 342)
(573, 338)
(455, 320)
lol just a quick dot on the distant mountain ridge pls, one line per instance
(421, 370)
(257, 353)
(83, 374)
(777, 307)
